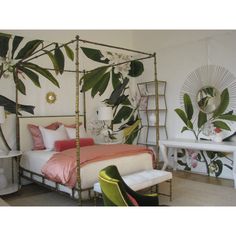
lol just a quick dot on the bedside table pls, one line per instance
(13, 155)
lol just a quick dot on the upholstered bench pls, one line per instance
(142, 180)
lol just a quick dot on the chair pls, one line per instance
(116, 192)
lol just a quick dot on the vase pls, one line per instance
(152, 119)
(217, 138)
(3, 180)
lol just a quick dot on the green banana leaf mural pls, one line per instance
(98, 79)
(16, 61)
(217, 119)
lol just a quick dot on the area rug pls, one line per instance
(185, 193)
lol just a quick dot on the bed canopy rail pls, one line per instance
(77, 72)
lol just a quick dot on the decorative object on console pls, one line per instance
(208, 99)
(51, 97)
(2, 120)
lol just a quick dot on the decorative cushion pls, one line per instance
(86, 142)
(50, 136)
(61, 145)
(37, 136)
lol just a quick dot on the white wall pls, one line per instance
(65, 103)
(181, 52)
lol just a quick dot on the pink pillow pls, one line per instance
(86, 142)
(133, 200)
(37, 136)
(62, 145)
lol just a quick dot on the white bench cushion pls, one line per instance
(142, 180)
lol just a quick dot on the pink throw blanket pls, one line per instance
(61, 167)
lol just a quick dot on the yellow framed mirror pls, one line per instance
(51, 97)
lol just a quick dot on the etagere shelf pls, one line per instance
(153, 112)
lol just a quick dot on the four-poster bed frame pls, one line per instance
(77, 72)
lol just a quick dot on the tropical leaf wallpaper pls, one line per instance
(97, 81)
(213, 161)
(17, 63)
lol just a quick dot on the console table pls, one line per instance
(197, 145)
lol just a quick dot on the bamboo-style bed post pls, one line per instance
(77, 93)
(157, 105)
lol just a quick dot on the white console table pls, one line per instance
(197, 145)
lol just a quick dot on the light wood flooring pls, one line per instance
(203, 178)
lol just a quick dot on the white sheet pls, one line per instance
(34, 160)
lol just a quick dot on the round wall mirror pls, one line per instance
(51, 97)
(208, 99)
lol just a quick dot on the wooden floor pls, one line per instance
(203, 178)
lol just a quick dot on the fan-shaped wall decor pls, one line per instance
(205, 86)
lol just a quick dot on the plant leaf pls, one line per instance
(219, 164)
(69, 52)
(28, 49)
(16, 41)
(202, 119)
(136, 68)
(115, 79)
(60, 59)
(224, 102)
(101, 85)
(53, 60)
(43, 72)
(122, 114)
(93, 77)
(184, 129)
(116, 97)
(4, 44)
(188, 106)
(19, 84)
(182, 115)
(228, 166)
(131, 132)
(227, 117)
(211, 154)
(180, 162)
(126, 101)
(33, 76)
(221, 124)
(94, 55)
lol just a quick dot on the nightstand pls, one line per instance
(13, 186)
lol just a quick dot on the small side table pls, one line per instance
(12, 187)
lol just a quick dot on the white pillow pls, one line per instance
(71, 132)
(50, 136)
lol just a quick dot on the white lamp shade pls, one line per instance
(105, 113)
(2, 115)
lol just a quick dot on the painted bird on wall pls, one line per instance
(10, 106)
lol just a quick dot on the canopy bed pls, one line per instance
(32, 162)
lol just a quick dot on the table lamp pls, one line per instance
(105, 114)
(2, 120)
